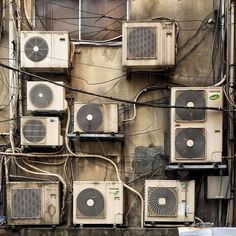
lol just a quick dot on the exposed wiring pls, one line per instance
(112, 98)
(84, 155)
(136, 99)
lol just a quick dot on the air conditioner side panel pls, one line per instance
(60, 50)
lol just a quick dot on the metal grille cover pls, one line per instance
(90, 203)
(168, 196)
(26, 203)
(41, 95)
(90, 117)
(190, 98)
(141, 43)
(34, 131)
(190, 143)
(36, 49)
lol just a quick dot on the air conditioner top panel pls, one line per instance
(44, 32)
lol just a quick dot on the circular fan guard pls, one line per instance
(90, 118)
(190, 143)
(190, 98)
(41, 95)
(141, 43)
(157, 209)
(34, 131)
(93, 196)
(36, 49)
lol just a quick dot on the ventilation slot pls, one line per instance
(190, 98)
(162, 201)
(141, 43)
(190, 143)
(36, 49)
(90, 203)
(34, 131)
(26, 203)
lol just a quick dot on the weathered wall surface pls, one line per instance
(99, 70)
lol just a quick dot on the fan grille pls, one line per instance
(34, 131)
(90, 203)
(190, 143)
(141, 43)
(190, 98)
(41, 95)
(25, 203)
(162, 201)
(90, 118)
(36, 49)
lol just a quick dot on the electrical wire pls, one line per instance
(108, 97)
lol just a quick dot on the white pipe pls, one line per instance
(80, 15)
(11, 74)
(128, 10)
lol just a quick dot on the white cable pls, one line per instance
(135, 100)
(27, 16)
(80, 155)
(220, 82)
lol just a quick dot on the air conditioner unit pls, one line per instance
(41, 131)
(44, 51)
(98, 202)
(196, 135)
(169, 201)
(33, 203)
(96, 118)
(149, 45)
(45, 97)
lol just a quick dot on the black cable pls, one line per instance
(111, 98)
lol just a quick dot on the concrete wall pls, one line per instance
(94, 66)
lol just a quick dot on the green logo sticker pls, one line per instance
(214, 97)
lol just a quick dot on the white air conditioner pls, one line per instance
(196, 135)
(98, 202)
(96, 118)
(41, 131)
(169, 201)
(44, 51)
(45, 97)
(149, 45)
(33, 203)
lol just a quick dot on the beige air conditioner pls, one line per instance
(45, 51)
(196, 135)
(148, 45)
(98, 202)
(169, 201)
(41, 131)
(33, 203)
(45, 97)
(96, 118)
